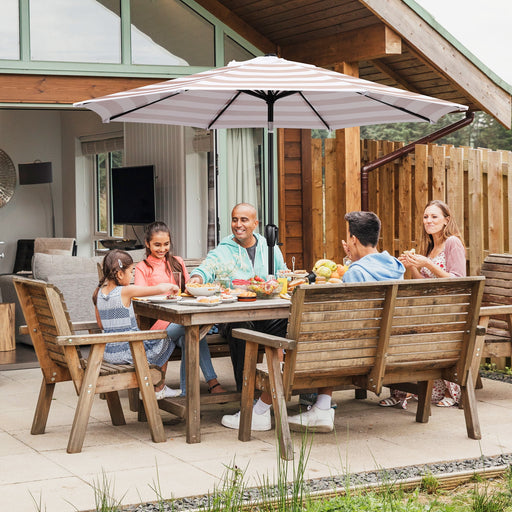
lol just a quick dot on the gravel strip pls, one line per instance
(496, 376)
(342, 481)
(391, 475)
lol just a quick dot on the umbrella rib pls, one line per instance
(226, 106)
(143, 106)
(315, 111)
(395, 107)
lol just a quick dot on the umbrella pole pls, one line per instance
(270, 228)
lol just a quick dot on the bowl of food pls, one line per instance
(201, 289)
(265, 289)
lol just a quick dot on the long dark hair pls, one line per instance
(113, 262)
(172, 264)
(451, 228)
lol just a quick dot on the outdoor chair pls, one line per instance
(58, 350)
(401, 334)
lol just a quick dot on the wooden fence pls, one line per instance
(474, 182)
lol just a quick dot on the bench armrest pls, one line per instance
(495, 310)
(76, 326)
(264, 339)
(111, 337)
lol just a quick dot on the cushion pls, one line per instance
(44, 265)
(77, 291)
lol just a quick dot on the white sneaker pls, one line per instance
(259, 422)
(167, 392)
(314, 420)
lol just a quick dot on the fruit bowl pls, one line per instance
(267, 289)
(201, 289)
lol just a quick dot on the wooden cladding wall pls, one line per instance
(295, 215)
(474, 182)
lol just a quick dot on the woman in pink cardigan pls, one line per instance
(445, 256)
(156, 269)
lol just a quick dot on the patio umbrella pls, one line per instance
(269, 92)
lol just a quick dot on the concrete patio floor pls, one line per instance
(367, 437)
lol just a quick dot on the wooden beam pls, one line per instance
(64, 90)
(242, 28)
(444, 57)
(367, 43)
(399, 79)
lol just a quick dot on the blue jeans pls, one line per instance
(176, 333)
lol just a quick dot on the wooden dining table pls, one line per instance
(198, 320)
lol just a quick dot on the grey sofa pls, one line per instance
(75, 276)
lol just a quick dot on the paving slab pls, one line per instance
(367, 437)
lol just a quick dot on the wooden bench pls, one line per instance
(369, 335)
(496, 310)
(58, 351)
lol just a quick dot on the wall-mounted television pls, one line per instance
(133, 194)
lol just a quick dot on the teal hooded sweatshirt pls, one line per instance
(231, 260)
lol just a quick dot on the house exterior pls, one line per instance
(55, 53)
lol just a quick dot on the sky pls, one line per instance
(484, 27)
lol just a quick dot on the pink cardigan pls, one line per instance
(147, 276)
(455, 255)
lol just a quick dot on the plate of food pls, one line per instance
(246, 296)
(226, 299)
(201, 289)
(207, 301)
(159, 299)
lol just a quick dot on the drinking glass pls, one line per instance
(176, 279)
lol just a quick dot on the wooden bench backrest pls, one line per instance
(46, 316)
(384, 330)
(497, 270)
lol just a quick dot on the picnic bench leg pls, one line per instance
(114, 408)
(470, 412)
(477, 356)
(424, 400)
(43, 408)
(279, 403)
(133, 399)
(248, 385)
(193, 412)
(85, 399)
(140, 361)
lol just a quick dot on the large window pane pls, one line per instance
(9, 30)
(234, 51)
(75, 31)
(167, 32)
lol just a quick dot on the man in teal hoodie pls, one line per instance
(242, 255)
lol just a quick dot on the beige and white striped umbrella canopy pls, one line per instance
(244, 94)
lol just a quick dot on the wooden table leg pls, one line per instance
(193, 412)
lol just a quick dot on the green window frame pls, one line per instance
(24, 65)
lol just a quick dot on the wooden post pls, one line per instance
(7, 340)
(348, 157)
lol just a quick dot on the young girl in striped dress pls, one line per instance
(114, 313)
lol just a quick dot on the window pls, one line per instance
(104, 162)
(168, 32)
(9, 30)
(75, 31)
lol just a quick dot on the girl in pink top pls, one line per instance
(157, 268)
(445, 256)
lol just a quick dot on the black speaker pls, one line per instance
(35, 173)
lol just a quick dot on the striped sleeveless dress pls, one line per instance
(116, 317)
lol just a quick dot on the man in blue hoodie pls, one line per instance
(367, 265)
(242, 255)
